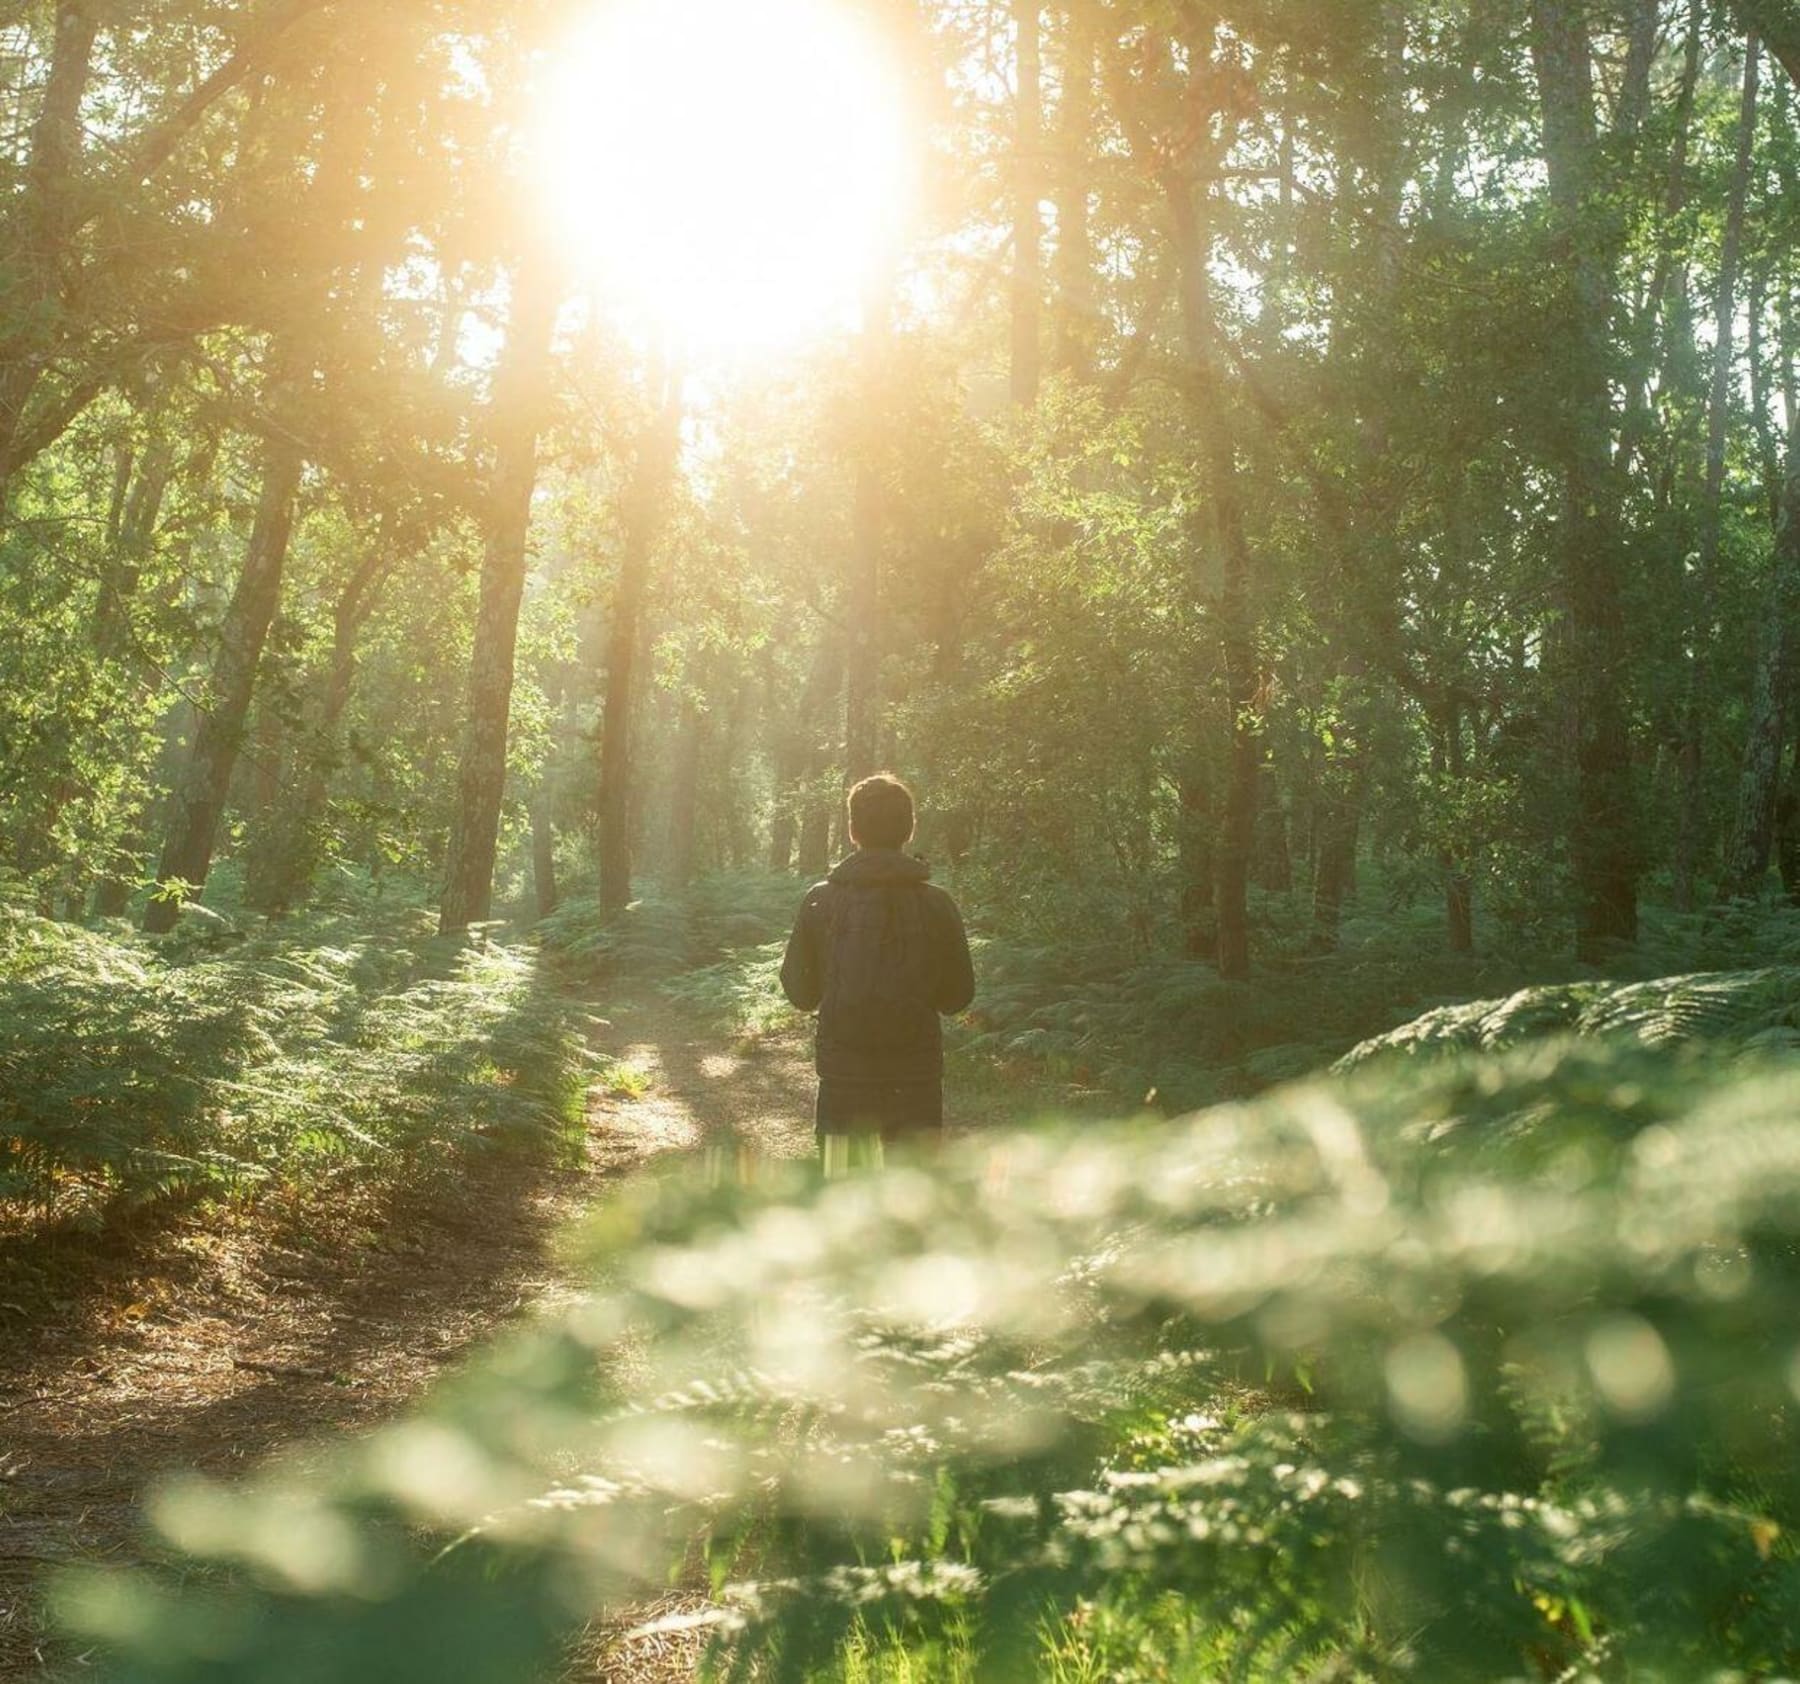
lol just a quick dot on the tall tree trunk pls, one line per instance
(1334, 870)
(1689, 839)
(543, 854)
(781, 838)
(1787, 831)
(1077, 315)
(1759, 783)
(1767, 446)
(862, 690)
(198, 799)
(1230, 542)
(1027, 279)
(1605, 844)
(1777, 22)
(520, 397)
(1459, 898)
(1275, 861)
(814, 858)
(820, 806)
(644, 508)
(40, 222)
(287, 851)
(1638, 425)
(140, 511)
(1197, 867)
(684, 794)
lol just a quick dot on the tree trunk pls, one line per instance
(1778, 23)
(520, 396)
(1230, 541)
(684, 794)
(36, 231)
(781, 838)
(1077, 315)
(140, 511)
(820, 805)
(1759, 782)
(1604, 844)
(1459, 898)
(815, 840)
(543, 854)
(642, 517)
(198, 799)
(1638, 426)
(1787, 832)
(287, 850)
(1689, 839)
(1334, 875)
(1275, 862)
(1027, 278)
(1198, 869)
(1767, 445)
(862, 691)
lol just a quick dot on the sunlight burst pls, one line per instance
(727, 172)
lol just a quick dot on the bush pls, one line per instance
(1465, 1369)
(1755, 1008)
(131, 1070)
(660, 936)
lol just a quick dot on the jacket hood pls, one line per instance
(881, 865)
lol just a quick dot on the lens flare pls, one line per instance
(726, 173)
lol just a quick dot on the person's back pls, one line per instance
(879, 952)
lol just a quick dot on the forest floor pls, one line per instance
(219, 1336)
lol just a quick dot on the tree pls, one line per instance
(644, 507)
(517, 416)
(1605, 841)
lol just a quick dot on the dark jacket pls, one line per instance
(948, 975)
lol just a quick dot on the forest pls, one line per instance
(1307, 492)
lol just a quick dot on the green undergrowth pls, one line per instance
(1473, 1368)
(1094, 1026)
(662, 936)
(224, 1058)
(1170, 1031)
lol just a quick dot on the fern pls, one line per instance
(1473, 1368)
(129, 1073)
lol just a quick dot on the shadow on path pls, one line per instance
(240, 1333)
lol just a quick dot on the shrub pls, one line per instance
(1465, 1369)
(1757, 1008)
(130, 1071)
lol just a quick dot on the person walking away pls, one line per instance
(879, 952)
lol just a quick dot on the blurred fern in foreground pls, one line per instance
(1475, 1368)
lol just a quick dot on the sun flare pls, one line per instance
(727, 172)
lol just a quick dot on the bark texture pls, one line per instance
(1028, 234)
(1690, 840)
(1604, 843)
(198, 799)
(642, 517)
(520, 399)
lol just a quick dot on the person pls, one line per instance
(879, 952)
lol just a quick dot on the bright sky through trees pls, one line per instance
(727, 172)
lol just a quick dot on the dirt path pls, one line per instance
(218, 1338)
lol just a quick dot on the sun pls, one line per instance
(727, 171)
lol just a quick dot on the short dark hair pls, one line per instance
(881, 812)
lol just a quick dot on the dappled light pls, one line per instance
(900, 841)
